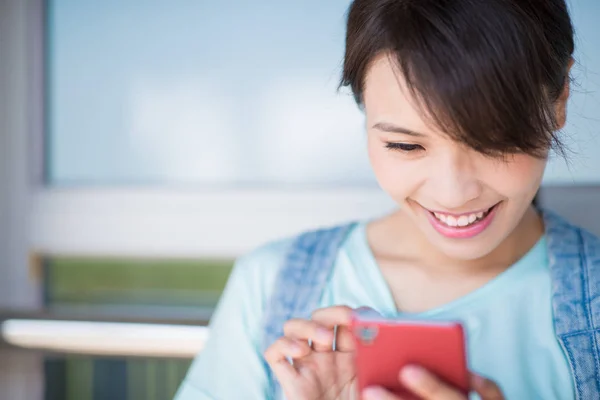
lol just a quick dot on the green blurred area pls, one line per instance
(134, 282)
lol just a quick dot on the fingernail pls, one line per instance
(373, 393)
(412, 374)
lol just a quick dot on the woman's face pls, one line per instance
(463, 202)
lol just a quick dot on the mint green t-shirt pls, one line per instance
(508, 322)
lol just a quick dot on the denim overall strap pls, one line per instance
(300, 282)
(574, 256)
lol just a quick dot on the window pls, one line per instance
(202, 93)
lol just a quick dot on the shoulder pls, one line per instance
(574, 253)
(265, 257)
(574, 262)
(565, 234)
(257, 269)
(248, 290)
(269, 257)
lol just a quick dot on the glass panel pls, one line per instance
(210, 92)
(141, 288)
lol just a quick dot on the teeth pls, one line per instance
(462, 221)
(441, 217)
(451, 221)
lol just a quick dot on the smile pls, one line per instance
(462, 220)
(465, 225)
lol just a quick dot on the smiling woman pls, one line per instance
(463, 101)
(144, 131)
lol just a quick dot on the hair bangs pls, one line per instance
(489, 82)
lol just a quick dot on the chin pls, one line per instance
(470, 250)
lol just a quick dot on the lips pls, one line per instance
(461, 226)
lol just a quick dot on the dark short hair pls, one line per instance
(487, 72)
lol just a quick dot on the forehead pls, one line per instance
(388, 99)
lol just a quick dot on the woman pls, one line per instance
(463, 100)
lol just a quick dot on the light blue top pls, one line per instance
(509, 324)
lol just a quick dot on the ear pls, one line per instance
(561, 102)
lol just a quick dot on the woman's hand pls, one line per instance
(318, 372)
(428, 387)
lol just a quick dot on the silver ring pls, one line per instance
(335, 333)
(310, 343)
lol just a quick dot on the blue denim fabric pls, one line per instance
(574, 256)
(300, 283)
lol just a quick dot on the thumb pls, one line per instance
(487, 389)
(378, 393)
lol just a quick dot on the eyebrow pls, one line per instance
(387, 127)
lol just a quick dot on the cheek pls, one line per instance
(395, 174)
(520, 178)
(377, 155)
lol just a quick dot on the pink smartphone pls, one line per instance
(384, 347)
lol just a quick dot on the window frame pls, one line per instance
(185, 223)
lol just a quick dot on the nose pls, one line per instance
(454, 181)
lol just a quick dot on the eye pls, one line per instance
(404, 147)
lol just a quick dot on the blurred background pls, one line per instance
(145, 144)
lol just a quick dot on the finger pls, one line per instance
(305, 330)
(285, 373)
(340, 316)
(285, 347)
(276, 356)
(427, 385)
(485, 388)
(378, 393)
(331, 316)
(343, 341)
